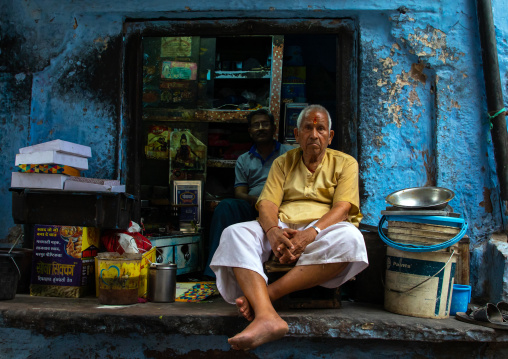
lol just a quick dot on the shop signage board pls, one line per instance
(63, 260)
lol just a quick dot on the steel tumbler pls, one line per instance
(162, 282)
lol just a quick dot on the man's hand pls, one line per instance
(279, 241)
(300, 240)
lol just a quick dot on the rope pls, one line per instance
(426, 280)
(491, 117)
(10, 250)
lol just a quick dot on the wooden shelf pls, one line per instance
(237, 116)
(168, 114)
(221, 163)
(259, 74)
(192, 115)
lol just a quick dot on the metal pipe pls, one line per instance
(494, 92)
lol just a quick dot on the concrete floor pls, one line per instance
(29, 326)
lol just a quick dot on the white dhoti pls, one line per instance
(245, 245)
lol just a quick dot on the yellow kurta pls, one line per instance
(303, 196)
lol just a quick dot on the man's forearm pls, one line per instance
(338, 213)
(242, 192)
(247, 197)
(268, 214)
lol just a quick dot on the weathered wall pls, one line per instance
(424, 115)
(422, 110)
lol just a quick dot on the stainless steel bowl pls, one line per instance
(421, 197)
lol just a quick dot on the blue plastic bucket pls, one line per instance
(461, 297)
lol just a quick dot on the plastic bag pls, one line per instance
(126, 241)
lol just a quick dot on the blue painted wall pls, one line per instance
(422, 107)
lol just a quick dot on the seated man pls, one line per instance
(308, 214)
(251, 171)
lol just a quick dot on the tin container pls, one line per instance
(162, 282)
(119, 278)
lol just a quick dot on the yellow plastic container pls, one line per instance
(119, 278)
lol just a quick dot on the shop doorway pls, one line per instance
(324, 48)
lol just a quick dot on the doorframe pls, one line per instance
(345, 123)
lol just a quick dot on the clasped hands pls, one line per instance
(288, 244)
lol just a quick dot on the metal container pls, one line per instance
(421, 198)
(119, 277)
(162, 282)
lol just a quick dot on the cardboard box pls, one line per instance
(63, 260)
(93, 185)
(38, 180)
(101, 181)
(51, 169)
(52, 157)
(59, 146)
(148, 257)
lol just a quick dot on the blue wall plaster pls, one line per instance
(421, 91)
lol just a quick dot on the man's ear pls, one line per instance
(331, 137)
(295, 131)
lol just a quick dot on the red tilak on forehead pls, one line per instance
(315, 119)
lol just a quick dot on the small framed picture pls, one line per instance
(291, 113)
(187, 195)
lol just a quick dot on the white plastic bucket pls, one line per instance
(419, 284)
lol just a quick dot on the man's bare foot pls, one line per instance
(244, 308)
(262, 330)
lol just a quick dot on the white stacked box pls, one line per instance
(93, 185)
(55, 152)
(52, 157)
(61, 147)
(38, 180)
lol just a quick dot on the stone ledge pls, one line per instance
(59, 316)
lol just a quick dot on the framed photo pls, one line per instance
(291, 113)
(187, 195)
(186, 151)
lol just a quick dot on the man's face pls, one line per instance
(314, 135)
(261, 129)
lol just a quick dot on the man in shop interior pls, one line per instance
(251, 170)
(308, 215)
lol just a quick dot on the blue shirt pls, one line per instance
(251, 169)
